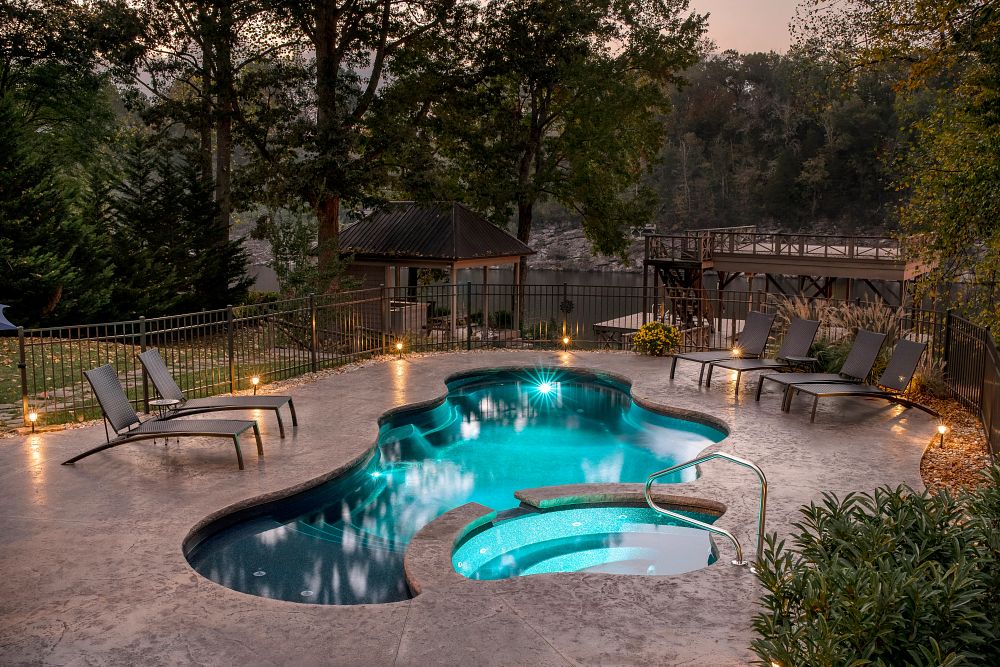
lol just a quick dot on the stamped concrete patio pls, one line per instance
(93, 570)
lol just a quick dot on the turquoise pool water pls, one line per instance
(497, 432)
(613, 539)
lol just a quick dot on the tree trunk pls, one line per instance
(328, 215)
(225, 107)
(327, 199)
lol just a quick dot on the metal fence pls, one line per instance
(219, 351)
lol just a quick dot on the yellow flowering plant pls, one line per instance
(656, 339)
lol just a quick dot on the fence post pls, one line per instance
(230, 348)
(145, 378)
(314, 338)
(386, 312)
(562, 307)
(947, 341)
(468, 315)
(22, 365)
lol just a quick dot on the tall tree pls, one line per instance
(565, 104)
(357, 47)
(949, 97)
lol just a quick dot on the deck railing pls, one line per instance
(218, 351)
(703, 245)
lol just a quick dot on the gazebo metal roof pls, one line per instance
(433, 231)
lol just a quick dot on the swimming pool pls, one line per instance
(497, 431)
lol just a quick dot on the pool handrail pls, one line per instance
(762, 512)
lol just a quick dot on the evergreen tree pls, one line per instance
(53, 269)
(167, 255)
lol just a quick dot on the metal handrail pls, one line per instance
(762, 512)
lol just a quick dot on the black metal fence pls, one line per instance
(219, 351)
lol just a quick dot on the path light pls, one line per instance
(255, 380)
(33, 417)
(737, 352)
(942, 429)
(399, 348)
(565, 341)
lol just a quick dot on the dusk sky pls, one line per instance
(748, 25)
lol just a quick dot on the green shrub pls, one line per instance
(656, 339)
(893, 578)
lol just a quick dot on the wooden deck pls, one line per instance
(741, 250)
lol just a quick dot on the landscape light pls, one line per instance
(32, 417)
(942, 429)
(565, 340)
(255, 380)
(737, 352)
(399, 348)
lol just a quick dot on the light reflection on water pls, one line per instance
(344, 541)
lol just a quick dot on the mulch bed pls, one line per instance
(965, 455)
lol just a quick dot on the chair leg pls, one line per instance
(760, 385)
(786, 400)
(739, 374)
(708, 378)
(295, 420)
(673, 367)
(260, 444)
(815, 403)
(281, 424)
(239, 452)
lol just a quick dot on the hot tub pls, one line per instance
(609, 539)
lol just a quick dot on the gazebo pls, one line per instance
(429, 235)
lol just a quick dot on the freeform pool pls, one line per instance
(497, 431)
(612, 539)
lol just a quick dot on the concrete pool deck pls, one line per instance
(93, 570)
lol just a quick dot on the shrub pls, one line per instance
(656, 339)
(930, 378)
(891, 578)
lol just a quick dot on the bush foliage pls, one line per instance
(656, 339)
(892, 578)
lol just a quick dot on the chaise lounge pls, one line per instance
(752, 341)
(160, 376)
(858, 365)
(125, 422)
(896, 378)
(794, 350)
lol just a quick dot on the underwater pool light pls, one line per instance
(545, 387)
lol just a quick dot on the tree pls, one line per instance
(52, 265)
(358, 46)
(564, 102)
(160, 220)
(949, 96)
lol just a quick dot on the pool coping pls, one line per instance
(428, 560)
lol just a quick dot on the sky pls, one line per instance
(748, 25)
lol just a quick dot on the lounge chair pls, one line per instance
(794, 350)
(124, 421)
(857, 366)
(157, 371)
(898, 373)
(752, 341)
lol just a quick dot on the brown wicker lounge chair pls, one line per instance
(752, 341)
(124, 421)
(794, 350)
(157, 371)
